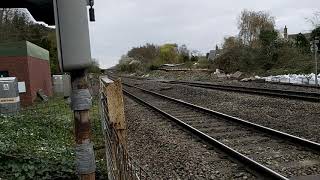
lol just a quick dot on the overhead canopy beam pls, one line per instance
(41, 10)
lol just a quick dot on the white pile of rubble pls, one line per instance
(308, 79)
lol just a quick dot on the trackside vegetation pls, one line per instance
(38, 142)
(257, 49)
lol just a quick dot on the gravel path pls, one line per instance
(167, 152)
(296, 117)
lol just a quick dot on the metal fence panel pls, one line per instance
(119, 165)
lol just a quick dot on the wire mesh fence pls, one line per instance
(119, 165)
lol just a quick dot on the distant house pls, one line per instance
(213, 54)
(293, 37)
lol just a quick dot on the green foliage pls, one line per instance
(291, 60)
(27, 167)
(38, 142)
(145, 54)
(231, 43)
(315, 33)
(265, 54)
(268, 37)
(129, 68)
(194, 58)
(184, 53)
(302, 43)
(153, 67)
(232, 60)
(204, 63)
(169, 53)
(280, 57)
(94, 67)
(151, 57)
(184, 58)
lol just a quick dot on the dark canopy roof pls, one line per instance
(41, 10)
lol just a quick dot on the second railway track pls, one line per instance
(301, 95)
(275, 154)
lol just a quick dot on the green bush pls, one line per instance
(153, 67)
(204, 63)
(283, 58)
(129, 68)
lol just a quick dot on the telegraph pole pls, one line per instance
(315, 48)
(73, 44)
(316, 59)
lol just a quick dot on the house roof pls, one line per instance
(41, 10)
(22, 49)
(294, 36)
(212, 54)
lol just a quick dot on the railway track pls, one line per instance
(180, 154)
(274, 154)
(307, 96)
(289, 94)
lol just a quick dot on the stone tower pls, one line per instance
(285, 32)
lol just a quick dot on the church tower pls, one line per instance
(285, 32)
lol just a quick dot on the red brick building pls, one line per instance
(30, 64)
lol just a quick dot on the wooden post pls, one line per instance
(116, 109)
(81, 106)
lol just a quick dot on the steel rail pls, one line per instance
(314, 97)
(246, 161)
(304, 142)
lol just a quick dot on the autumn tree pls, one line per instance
(251, 23)
(146, 53)
(231, 43)
(169, 53)
(184, 53)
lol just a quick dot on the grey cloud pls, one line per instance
(200, 24)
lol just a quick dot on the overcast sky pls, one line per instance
(200, 24)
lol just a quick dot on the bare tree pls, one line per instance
(231, 43)
(315, 20)
(251, 23)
